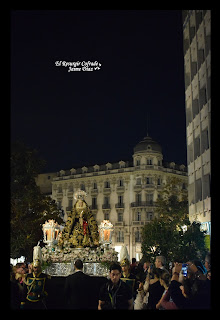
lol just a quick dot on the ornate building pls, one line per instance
(124, 192)
(197, 63)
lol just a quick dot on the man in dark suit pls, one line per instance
(77, 288)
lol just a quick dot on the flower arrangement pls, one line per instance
(106, 224)
(68, 254)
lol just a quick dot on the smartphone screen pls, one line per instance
(184, 269)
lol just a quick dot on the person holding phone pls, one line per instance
(194, 292)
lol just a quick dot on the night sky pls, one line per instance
(93, 117)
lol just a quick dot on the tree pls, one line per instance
(166, 234)
(172, 205)
(29, 208)
(192, 243)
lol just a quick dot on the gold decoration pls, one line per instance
(81, 229)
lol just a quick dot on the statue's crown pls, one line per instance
(80, 195)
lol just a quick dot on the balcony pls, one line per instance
(94, 192)
(94, 207)
(119, 205)
(106, 191)
(149, 186)
(137, 223)
(106, 206)
(119, 224)
(59, 194)
(142, 204)
(138, 187)
(120, 189)
(70, 194)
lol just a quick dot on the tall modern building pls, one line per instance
(197, 62)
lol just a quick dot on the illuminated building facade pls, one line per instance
(123, 193)
(197, 63)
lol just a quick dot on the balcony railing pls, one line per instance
(119, 205)
(142, 204)
(94, 192)
(120, 189)
(106, 206)
(149, 185)
(137, 187)
(107, 190)
(94, 207)
(119, 223)
(137, 223)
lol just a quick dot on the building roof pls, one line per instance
(147, 144)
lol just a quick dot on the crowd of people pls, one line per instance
(183, 286)
(133, 286)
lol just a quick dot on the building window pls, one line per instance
(159, 182)
(198, 17)
(137, 236)
(121, 164)
(94, 185)
(138, 197)
(82, 187)
(188, 116)
(72, 171)
(191, 197)
(198, 190)
(120, 199)
(70, 203)
(201, 57)
(121, 183)
(106, 216)
(107, 184)
(108, 166)
(138, 181)
(195, 107)
(138, 162)
(206, 186)
(150, 216)
(190, 153)
(96, 168)
(120, 236)
(138, 216)
(120, 216)
(149, 180)
(192, 32)
(150, 198)
(94, 203)
(149, 161)
(202, 97)
(196, 147)
(84, 169)
(106, 200)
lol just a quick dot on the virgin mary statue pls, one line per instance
(81, 229)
